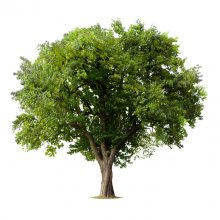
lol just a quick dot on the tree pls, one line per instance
(112, 95)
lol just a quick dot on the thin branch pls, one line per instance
(88, 106)
(80, 86)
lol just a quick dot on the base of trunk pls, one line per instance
(107, 190)
(102, 197)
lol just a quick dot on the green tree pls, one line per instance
(111, 94)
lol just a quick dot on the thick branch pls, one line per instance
(75, 125)
(90, 139)
(118, 146)
(93, 146)
(105, 151)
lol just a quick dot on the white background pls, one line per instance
(173, 184)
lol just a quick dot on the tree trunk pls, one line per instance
(107, 190)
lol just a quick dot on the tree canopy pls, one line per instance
(110, 94)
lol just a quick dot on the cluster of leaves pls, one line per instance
(106, 81)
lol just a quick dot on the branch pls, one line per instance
(90, 139)
(118, 146)
(80, 86)
(75, 125)
(93, 145)
(104, 150)
(88, 106)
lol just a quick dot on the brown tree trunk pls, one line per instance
(107, 190)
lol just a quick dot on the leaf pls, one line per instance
(106, 82)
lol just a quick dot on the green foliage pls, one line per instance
(106, 81)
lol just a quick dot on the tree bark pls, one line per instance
(107, 190)
(105, 159)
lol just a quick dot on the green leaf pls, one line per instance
(106, 82)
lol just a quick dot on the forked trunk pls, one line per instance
(107, 190)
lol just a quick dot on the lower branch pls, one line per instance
(93, 146)
(118, 146)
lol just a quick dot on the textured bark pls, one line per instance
(106, 157)
(107, 190)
